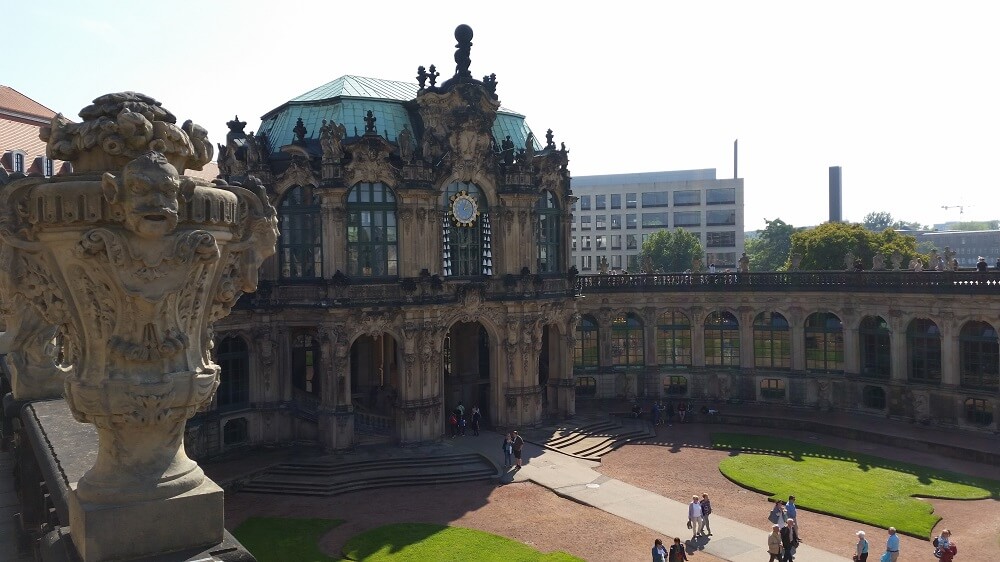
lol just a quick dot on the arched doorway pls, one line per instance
(467, 369)
(375, 383)
(550, 367)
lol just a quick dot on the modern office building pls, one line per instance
(616, 213)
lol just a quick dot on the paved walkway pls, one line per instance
(577, 480)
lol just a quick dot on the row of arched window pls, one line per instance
(772, 345)
(372, 233)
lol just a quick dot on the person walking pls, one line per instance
(792, 512)
(944, 547)
(706, 510)
(789, 540)
(677, 553)
(659, 551)
(778, 515)
(477, 418)
(694, 517)
(518, 445)
(774, 544)
(892, 545)
(861, 549)
(508, 450)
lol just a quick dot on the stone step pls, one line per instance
(329, 479)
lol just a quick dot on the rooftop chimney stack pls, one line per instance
(836, 200)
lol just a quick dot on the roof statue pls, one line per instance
(463, 49)
(300, 131)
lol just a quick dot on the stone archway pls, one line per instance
(375, 383)
(467, 371)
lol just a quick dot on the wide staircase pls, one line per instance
(339, 476)
(590, 437)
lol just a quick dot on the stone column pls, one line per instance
(951, 361)
(697, 315)
(135, 262)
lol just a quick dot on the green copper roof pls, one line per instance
(348, 98)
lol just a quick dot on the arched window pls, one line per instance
(722, 340)
(772, 341)
(549, 228)
(233, 358)
(301, 241)
(980, 356)
(673, 339)
(235, 432)
(466, 235)
(923, 351)
(371, 231)
(305, 364)
(873, 397)
(824, 343)
(627, 342)
(586, 354)
(876, 353)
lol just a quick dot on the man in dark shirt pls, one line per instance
(789, 540)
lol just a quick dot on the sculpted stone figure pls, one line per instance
(135, 288)
(878, 262)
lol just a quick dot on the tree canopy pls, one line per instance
(769, 251)
(877, 221)
(825, 246)
(671, 251)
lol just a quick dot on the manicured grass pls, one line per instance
(277, 539)
(418, 542)
(859, 487)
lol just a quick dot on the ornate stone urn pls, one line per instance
(132, 262)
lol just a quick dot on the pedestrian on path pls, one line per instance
(659, 552)
(792, 512)
(861, 549)
(944, 547)
(892, 545)
(774, 544)
(706, 510)
(789, 540)
(518, 445)
(677, 553)
(694, 517)
(477, 418)
(778, 514)
(508, 450)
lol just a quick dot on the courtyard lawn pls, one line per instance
(276, 539)
(420, 541)
(854, 486)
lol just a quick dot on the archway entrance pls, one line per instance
(549, 367)
(467, 369)
(375, 383)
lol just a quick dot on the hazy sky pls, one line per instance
(903, 95)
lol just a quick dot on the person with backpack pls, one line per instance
(453, 422)
(508, 450)
(518, 445)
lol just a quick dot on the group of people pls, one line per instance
(512, 446)
(784, 537)
(458, 423)
(661, 413)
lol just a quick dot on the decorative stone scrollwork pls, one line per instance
(136, 282)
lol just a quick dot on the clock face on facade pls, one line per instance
(464, 209)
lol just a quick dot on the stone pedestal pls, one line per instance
(125, 531)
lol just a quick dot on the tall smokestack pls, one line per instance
(736, 159)
(836, 201)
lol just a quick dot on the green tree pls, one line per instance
(908, 225)
(671, 251)
(824, 247)
(877, 221)
(974, 225)
(769, 250)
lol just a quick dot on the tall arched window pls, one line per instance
(772, 341)
(586, 355)
(467, 238)
(371, 231)
(627, 342)
(722, 340)
(233, 358)
(876, 353)
(301, 241)
(980, 356)
(824, 342)
(923, 351)
(548, 233)
(305, 364)
(673, 339)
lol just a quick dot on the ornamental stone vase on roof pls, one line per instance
(134, 262)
